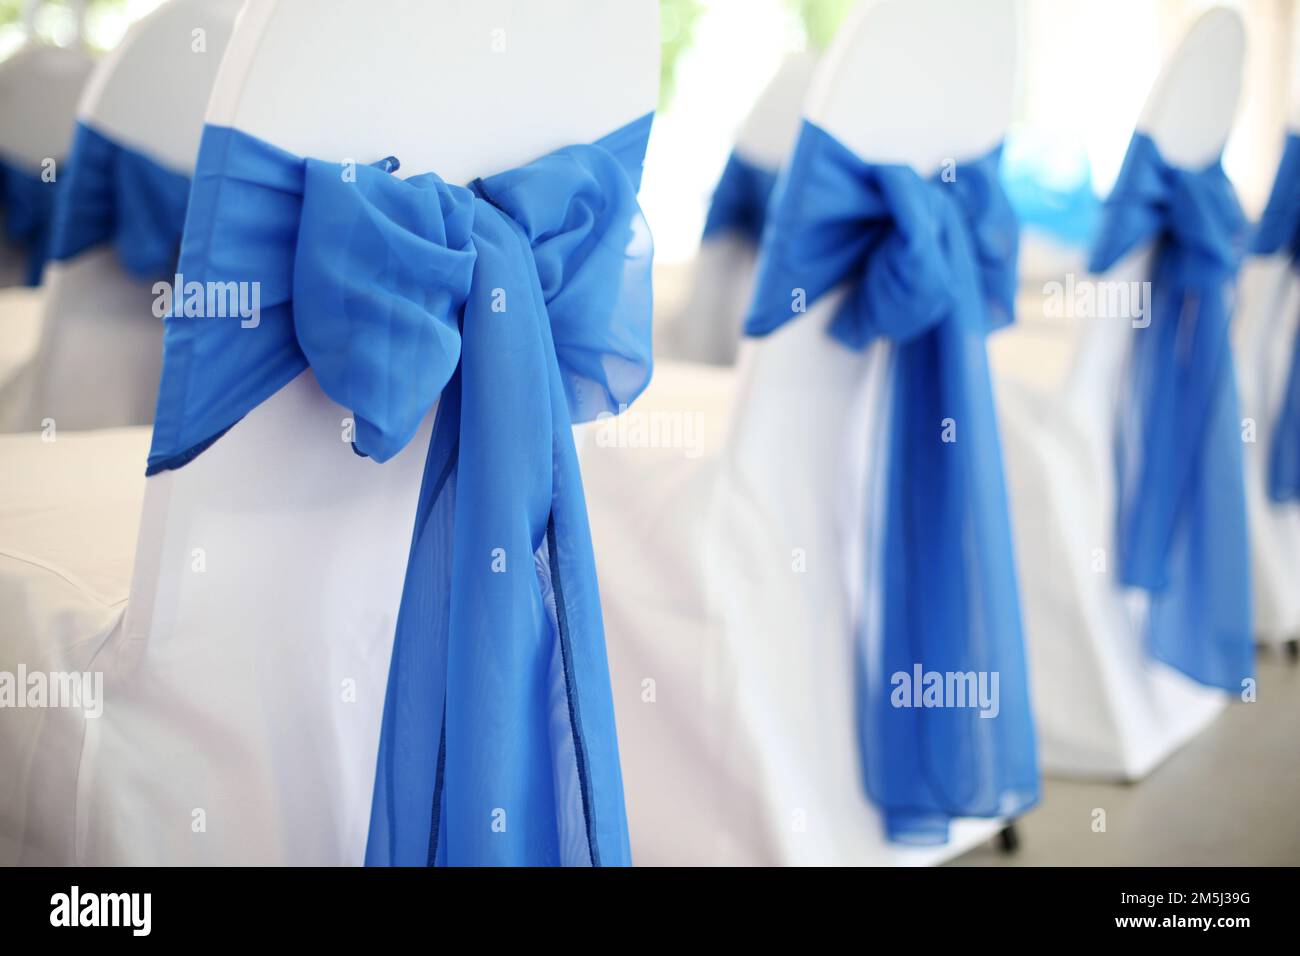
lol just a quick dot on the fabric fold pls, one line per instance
(739, 203)
(114, 194)
(27, 205)
(928, 264)
(520, 304)
(1181, 511)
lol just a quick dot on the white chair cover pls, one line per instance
(1103, 706)
(248, 672)
(22, 310)
(1265, 326)
(39, 89)
(727, 597)
(100, 352)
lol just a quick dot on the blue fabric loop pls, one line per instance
(739, 203)
(1181, 501)
(116, 194)
(521, 304)
(930, 265)
(27, 204)
(1279, 231)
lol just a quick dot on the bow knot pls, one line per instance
(366, 278)
(913, 251)
(1195, 211)
(383, 268)
(907, 283)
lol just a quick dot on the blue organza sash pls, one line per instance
(27, 204)
(1181, 499)
(1279, 230)
(521, 304)
(929, 264)
(740, 200)
(115, 194)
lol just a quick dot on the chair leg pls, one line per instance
(1009, 839)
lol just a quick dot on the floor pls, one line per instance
(1229, 798)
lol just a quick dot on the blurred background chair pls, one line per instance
(1105, 706)
(39, 88)
(117, 227)
(40, 84)
(731, 568)
(76, 499)
(708, 328)
(1265, 336)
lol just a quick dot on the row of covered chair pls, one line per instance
(1104, 619)
(351, 613)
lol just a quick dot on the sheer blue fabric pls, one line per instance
(27, 204)
(1279, 230)
(1181, 496)
(115, 194)
(520, 304)
(929, 264)
(740, 200)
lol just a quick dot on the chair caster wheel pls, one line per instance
(1009, 839)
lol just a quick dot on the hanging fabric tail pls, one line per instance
(929, 264)
(517, 780)
(1181, 500)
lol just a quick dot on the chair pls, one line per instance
(277, 545)
(708, 328)
(1105, 707)
(99, 349)
(1265, 324)
(39, 87)
(727, 567)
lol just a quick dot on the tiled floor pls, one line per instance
(1229, 798)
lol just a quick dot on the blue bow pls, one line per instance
(114, 194)
(929, 264)
(740, 199)
(521, 305)
(27, 202)
(1279, 229)
(1181, 503)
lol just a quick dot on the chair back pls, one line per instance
(303, 544)
(100, 354)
